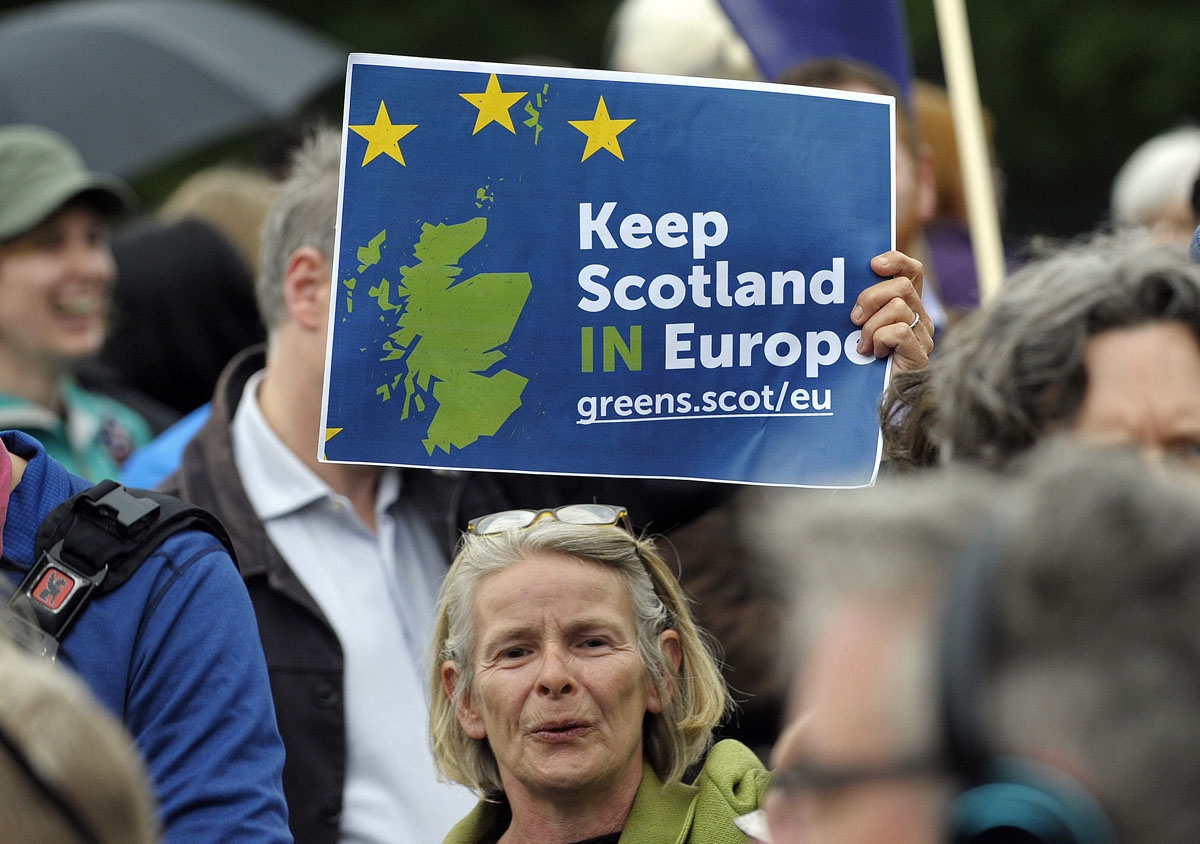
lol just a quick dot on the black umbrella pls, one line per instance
(134, 83)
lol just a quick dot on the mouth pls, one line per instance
(80, 304)
(560, 730)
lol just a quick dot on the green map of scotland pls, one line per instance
(444, 334)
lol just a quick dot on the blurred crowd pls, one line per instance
(995, 643)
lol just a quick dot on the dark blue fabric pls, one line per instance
(782, 33)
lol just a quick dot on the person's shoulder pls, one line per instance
(475, 827)
(195, 547)
(179, 588)
(733, 751)
(188, 549)
(167, 573)
(730, 784)
(92, 403)
(735, 772)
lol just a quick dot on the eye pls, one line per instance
(514, 652)
(592, 642)
(97, 236)
(1186, 452)
(49, 239)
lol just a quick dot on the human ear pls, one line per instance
(468, 718)
(306, 283)
(672, 648)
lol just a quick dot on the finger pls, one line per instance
(906, 347)
(878, 295)
(898, 312)
(896, 263)
(895, 311)
(922, 327)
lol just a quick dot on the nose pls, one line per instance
(1154, 453)
(554, 677)
(92, 261)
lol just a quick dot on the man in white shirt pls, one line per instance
(341, 567)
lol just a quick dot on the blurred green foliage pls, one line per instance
(1074, 85)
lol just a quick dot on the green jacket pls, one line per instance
(94, 439)
(731, 783)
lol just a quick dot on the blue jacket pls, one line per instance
(174, 652)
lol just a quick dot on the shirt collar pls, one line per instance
(276, 480)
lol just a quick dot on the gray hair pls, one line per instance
(303, 213)
(864, 545)
(1159, 174)
(680, 37)
(695, 698)
(1096, 649)
(1013, 371)
(1092, 655)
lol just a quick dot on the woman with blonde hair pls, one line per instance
(572, 689)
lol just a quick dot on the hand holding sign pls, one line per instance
(886, 311)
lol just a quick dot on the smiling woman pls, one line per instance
(56, 277)
(572, 689)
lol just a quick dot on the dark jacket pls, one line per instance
(303, 653)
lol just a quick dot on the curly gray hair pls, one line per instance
(1014, 371)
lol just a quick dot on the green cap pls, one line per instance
(40, 172)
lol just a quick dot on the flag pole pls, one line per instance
(963, 88)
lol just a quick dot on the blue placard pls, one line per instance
(583, 272)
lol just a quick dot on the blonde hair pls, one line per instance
(695, 697)
(935, 121)
(234, 200)
(78, 749)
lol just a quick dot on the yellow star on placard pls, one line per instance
(493, 105)
(602, 132)
(383, 137)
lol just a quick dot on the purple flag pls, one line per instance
(782, 33)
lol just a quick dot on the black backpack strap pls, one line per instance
(92, 543)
